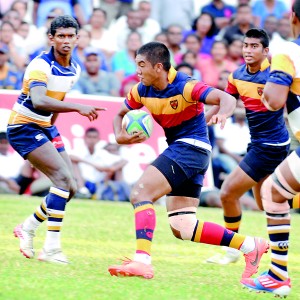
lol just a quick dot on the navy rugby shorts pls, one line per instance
(25, 138)
(261, 160)
(184, 167)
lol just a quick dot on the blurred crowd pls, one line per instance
(206, 43)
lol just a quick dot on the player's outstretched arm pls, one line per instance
(122, 137)
(226, 103)
(43, 102)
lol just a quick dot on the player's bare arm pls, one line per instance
(122, 137)
(226, 103)
(43, 102)
(274, 96)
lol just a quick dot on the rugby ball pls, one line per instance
(138, 120)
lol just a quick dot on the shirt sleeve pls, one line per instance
(198, 90)
(282, 70)
(231, 88)
(133, 99)
(37, 73)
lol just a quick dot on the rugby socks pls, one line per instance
(145, 222)
(279, 244)
(233, 223)
(36, 219)
(56, 202)
(214, 234)
(295, 202)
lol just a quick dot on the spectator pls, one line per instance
(17, 55)
(100, 36)
(204, 26)
(150, 26)
(111, 7)
(10, 79)
(10, 166)
(270, 25)
(235, 53)
(41, 9)
(212, 67)
(284, 28)
(263, 8)
(282, 35)
(123, 62)
(95, 81)
(21, 6)
(192, 43)
(169, 12)
(211, 198)
(243, 22)
(41, 38)
(174, 38)
(185, 68)
(191, 58)
(5, 5)
(221, 12)
(231, 146)
(93, 165)
(125, 6)
(127, 83)
(162, 38)
(223, 79)
(121, 28)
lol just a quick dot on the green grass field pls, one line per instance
(96, 234)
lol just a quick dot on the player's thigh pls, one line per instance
(288, 175)
(257, 193)
(179, 202)
(151, 186)
(48, 160)
(237, 183)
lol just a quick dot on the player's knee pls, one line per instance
(63, 179)
(274, 208)
(226, 195)
(183, 222)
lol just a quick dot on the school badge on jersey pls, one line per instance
(174, 104)
(260, 90)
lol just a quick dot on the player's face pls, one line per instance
(253, 51)
(145, 71)
(64, 40)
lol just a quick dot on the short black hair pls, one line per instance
(156, 52)
(3, 135)
(296, 8)
(260, 34)
(91, 129)
(65, 21)
(184, 65)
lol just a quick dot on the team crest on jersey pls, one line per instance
(174, 104)
(260, 90)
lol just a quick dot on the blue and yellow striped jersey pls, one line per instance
(285, 70)
(267, 127)
(178, 109)
(43, 71)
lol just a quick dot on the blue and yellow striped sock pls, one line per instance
(56, 202)
(279, 243)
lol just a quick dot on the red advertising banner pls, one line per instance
(72, 127)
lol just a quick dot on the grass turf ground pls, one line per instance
(96, 234)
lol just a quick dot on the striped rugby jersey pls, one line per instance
(266, 127)
(43, 70)
(178, 109)
(285, 70)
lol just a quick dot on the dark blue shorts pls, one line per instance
(184, 167)
(261, 160)
(27, 137)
